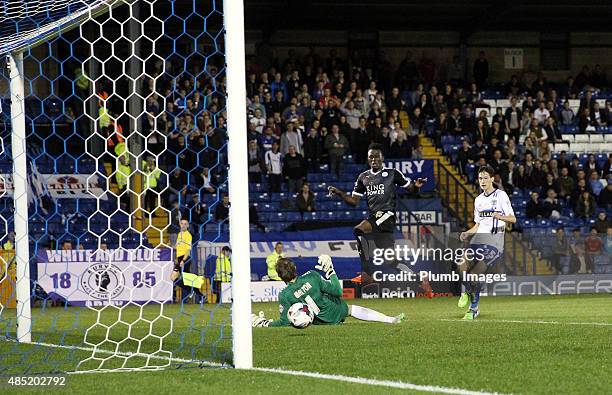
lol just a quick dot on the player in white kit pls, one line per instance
(492, 210)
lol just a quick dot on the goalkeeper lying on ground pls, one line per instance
(323, 296)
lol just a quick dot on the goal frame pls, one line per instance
(233, 14)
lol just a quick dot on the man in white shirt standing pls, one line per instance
(274, 163)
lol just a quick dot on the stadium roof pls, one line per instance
(465, 16)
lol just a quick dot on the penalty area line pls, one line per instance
(529, 322)
(374, 382)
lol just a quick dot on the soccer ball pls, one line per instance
(300, 315)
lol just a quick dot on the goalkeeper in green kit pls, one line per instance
(322, 295)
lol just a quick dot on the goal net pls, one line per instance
(113, 165)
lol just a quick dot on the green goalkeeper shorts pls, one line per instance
(334, 313)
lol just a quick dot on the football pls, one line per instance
(300, 315)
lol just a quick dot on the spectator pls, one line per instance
(578, 259)
(417, 153)
(607, 167)
(9, 244)
(541, 113)
(538, 175)
(223, 270)
(291, 137)
(305, 199)
(560, 248)
(592, 247)
(551, 208)
(336, 145)
(512, 119)
(455, 123)
(550, 183)
(205, 184)
(481, 70)
(363, 137)
(178, 186)
(152, 175)
(254, 219)
(294, 169)
(256, 162)
(258, 121)
(352, 114)
(602, 223)
(267, 139)
(585, 207)
(525, 122)
(222, 209)
(567, 115)
(591, 165)
(197, 210)
(312, 150)
(599, 117)
(439, 106)
(464, 156)
(272, 259)
(274, 165)
(552, 131)
(605, 197)
(534, 208)
(506, 175)
(586, 123)
(608, 241)
(122, 176)
(595, 184)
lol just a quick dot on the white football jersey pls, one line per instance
(491, 231)
(484, 207)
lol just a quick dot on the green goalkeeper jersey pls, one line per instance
(322, 296)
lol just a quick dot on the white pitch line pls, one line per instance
(316, 375)
(375, 382)
(530, 322)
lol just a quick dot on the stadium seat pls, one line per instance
(581, 138)
(561, 147)
(568, 137)
(579, 147)
(491, 103)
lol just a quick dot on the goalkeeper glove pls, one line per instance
(326, 266)
(259, 320)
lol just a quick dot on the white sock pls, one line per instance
(365, 314)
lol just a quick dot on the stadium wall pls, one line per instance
(588, 48)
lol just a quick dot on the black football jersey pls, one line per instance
(379, 188)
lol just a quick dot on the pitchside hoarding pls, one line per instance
(552, 285)
(97, 278)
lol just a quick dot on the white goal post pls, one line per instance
(14, 48)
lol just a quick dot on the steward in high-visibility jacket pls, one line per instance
(223, 266)
(123, 172)
(272, 259)
(151, 173)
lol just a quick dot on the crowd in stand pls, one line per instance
(306, 112)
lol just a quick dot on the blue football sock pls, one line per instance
(474, 298)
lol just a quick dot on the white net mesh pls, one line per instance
(121, 96)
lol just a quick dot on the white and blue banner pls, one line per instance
(413, 169)
(98, 278)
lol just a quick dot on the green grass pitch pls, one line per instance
(533, 344)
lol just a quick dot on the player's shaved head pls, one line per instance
(286, 269)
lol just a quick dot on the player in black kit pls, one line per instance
(378, 185)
